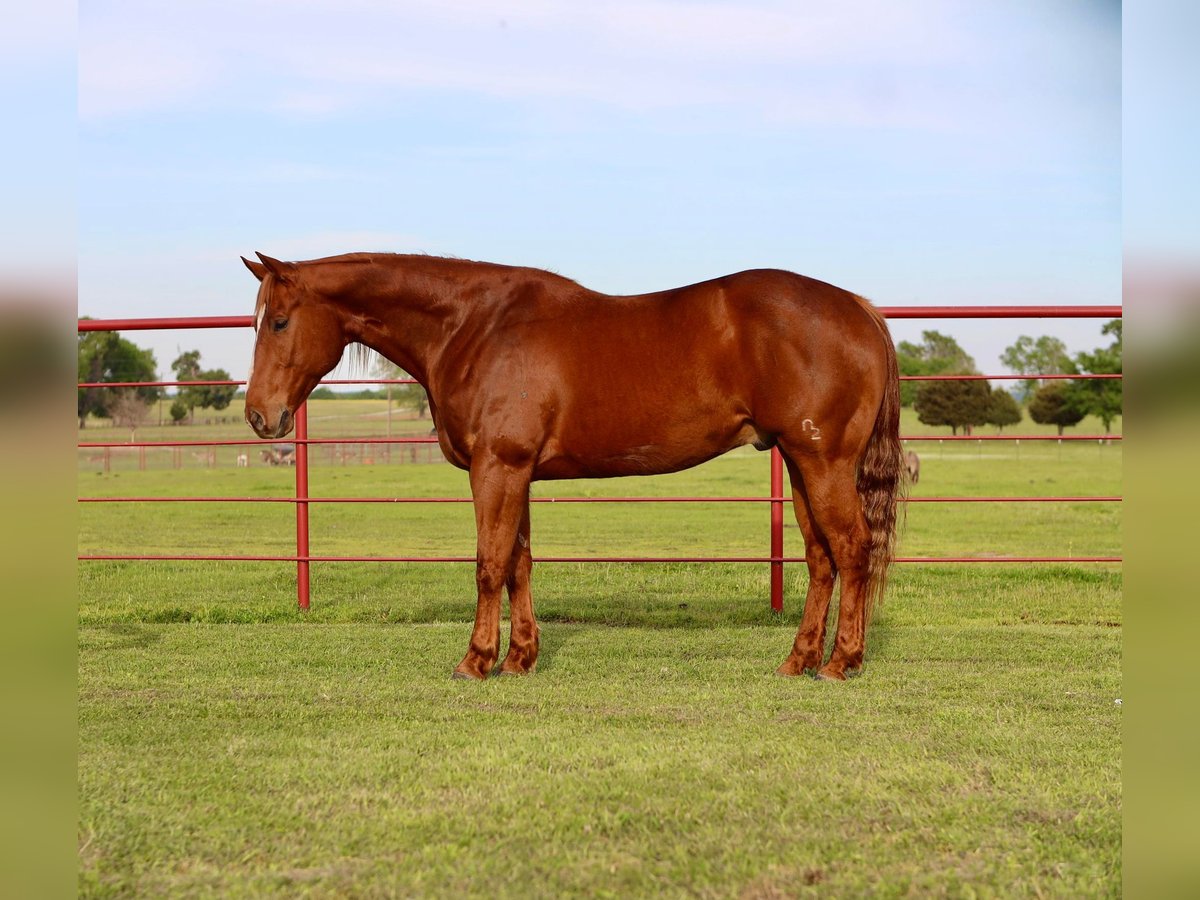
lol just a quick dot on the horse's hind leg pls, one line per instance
(836, 510)
(809, 647)
(523, 639)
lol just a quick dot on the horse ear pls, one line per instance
(257, 269)
(280, 270)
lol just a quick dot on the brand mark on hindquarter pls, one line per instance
(808, 426)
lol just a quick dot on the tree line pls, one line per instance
(967, 404)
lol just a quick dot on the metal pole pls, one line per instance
(776, 530)
(302, 505)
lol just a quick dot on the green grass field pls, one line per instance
(232, 746)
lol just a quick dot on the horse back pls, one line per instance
(734, 336)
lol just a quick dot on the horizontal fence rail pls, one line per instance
(575, 499)
(346, 381)
(94, 445)
(773, 560)
(776, 559)
(890, 312)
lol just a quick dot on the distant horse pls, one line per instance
(531, 376)
(242, 461)
(280, 455)
(912, 463)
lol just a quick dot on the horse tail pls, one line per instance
(879, 482)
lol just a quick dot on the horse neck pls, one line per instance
(406, 311)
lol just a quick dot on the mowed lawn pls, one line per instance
(232, 746)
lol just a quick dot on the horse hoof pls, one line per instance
(793, 668)
(458, 675)
(827, 674)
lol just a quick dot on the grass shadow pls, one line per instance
(119, 637)
(552, 638)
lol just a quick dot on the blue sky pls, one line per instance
(1161, 130)
(928, 153)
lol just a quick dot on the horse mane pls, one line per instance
(449, 260)
(360, 360)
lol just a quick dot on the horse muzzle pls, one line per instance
(264, 429)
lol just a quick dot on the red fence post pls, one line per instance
(776, 530)
(302, 505)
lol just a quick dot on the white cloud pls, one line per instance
(315, 58)
(990, 68)
(847, 33)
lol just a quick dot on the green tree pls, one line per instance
(214, 396)
(937, 354)
(1055, 404)
(959, 404)
(186, 366)
(1045, 355)
(105, 356)
(1003, 409)
(1101, 397)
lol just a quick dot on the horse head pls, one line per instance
(299, 338)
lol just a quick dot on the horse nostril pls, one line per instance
(256, 420)
(285, 417)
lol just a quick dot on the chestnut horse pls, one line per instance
(531, 376)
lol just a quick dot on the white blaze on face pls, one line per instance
(260, 312)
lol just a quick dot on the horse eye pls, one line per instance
(279, 324)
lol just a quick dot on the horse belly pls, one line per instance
(605, 443)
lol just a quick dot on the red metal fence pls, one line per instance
(303, 557)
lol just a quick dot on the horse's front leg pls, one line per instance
(523, 641)
(501, 494)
